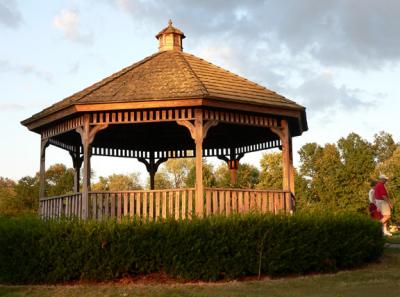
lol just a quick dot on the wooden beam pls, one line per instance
(87, 134)
(77, 164)
(152, 167)
(198, 131)
(287, 156)
(44, 143)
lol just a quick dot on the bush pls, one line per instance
(37, 251)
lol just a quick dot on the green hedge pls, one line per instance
(36, 251)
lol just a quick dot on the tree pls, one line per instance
(357, 156)
(248, 176)
(118, 182)
(177, 171)
(27, 193)
(161, 181)
(8, 201)
(59, 180)
(383, 146)
(271, 174)
(209, 179)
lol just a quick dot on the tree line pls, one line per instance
(335, 176)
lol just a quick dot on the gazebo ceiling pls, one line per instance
(171, 137)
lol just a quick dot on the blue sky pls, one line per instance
(340, 59)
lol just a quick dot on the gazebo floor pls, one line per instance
(152, 205)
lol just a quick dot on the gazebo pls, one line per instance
(169, 105)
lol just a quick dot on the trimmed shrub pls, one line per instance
(38, 251)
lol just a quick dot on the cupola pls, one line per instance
(170, 38)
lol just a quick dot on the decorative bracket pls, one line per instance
(151, 164)
(206, 126)
(89, 135)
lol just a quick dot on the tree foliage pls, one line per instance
(271, 171)
(118, 182)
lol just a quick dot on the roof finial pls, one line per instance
(170, 38)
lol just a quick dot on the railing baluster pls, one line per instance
(215, 202)
(126, 209)
(119, 207)
(190, 204)
(184, 204)
(228, 202)
(145, 210)
(151, 206)
(138, 205)
(234, 202)
(177, 207)
(171, 204)
(208, 202)
(158, 204)
(131, 205)
(164, 205)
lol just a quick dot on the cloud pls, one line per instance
(9, 13)
(7, 106)
(68, 22)
(354, 34)
(26, 69)
(322, 96)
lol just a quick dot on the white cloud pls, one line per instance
(68, 22)
(9, 13)
(26, 69)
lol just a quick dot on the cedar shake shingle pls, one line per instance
(170, 75)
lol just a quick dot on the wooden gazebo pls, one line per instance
(169, 105)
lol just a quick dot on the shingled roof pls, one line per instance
(173, 75)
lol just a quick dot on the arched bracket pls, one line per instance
(191, 127)
(233, 161)
(152, 167)
(233, 165)
(88, 133)
(151, 164)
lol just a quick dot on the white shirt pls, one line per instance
(371, 196)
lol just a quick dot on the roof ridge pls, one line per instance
(195, 75)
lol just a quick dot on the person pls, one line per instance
(383, 203)
(373, 210)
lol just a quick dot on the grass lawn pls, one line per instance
(394, 239)
(379, 279)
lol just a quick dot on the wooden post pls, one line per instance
(233, 165)
(87, 136)
(287, 156)
(77, 163)
(198, 132)
(198, 126)
(44, 143)
(152, 167)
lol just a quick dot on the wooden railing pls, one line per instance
(147, 205)
(229, 201)
(69, 205)
(152, 205)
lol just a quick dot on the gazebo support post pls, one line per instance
(87, 136)
(77, 163)
(287, 157)
(233, 165)
(44, 143)
(152, 167)
(198, 131)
